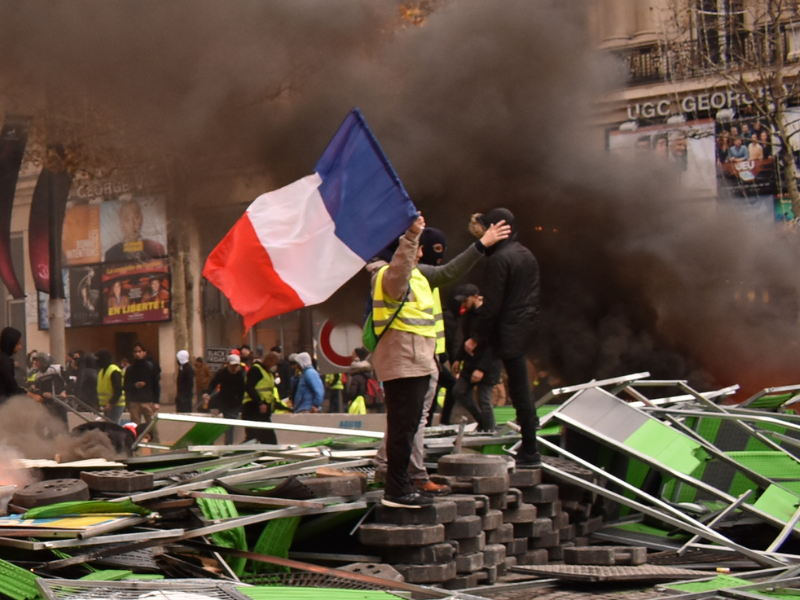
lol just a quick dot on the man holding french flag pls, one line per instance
(296, 246)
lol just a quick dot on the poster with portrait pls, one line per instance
(81, 233)
(133, 229)
(686, 151)
(136, 292)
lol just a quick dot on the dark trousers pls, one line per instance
(519, 389)
(447, 381)
(183, 404)
(335, 401)
(405, 399)
(251, 411)
(483, 412)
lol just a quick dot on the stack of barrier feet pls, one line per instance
(494, 519)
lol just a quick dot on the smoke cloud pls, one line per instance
(483, 105)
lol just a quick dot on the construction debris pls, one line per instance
(635, 486)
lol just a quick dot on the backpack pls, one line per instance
(374, 397)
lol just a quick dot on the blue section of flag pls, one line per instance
(361, 191)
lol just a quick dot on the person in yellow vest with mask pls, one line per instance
(433, 244)
(110, 388)
(261, 398)
(404, 317)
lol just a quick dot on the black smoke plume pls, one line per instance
(483, 105)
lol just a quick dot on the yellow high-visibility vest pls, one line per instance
(439, 324)
(416, 314)
(266, 390)
(334, 381)
(105, 388)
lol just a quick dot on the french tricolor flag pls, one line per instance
(296, 246)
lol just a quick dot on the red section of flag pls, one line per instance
(242, 270)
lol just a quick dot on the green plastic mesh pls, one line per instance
(107, 575)
(275, 540)
(772, 401)
(769, 463)
(215, 509)
(18, 583)
(281, 592)
(720, 582)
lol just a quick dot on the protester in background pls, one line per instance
(360, 372)
(71, 371)
(202, 377)
(283, 379)
(228, 400)
(508, 321)
(87, 381)
(142, 389)
(478, 369)
(183, 400)
(110, 394)
(334, 382)
(261, 400)
(310, 389)
(10, 344)
(46, 387)
(247, 356)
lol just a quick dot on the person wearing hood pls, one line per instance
(508, 322)
(47, 385)
(310, 390)
(110, 395)
(183, 401)
(10, 344)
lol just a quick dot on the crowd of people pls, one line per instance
(744, 141)
(423, 350)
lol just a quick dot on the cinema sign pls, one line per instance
(691, 104)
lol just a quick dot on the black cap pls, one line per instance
(465, 291)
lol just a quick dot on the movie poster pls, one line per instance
(81, 234)
(747, 156)
(83, 293)
(44, 304)
(137, 292)
(133, 229)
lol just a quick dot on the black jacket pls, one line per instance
(185, 382)
(231, 389)
(482, 359)
(509, 317)
(141, 370)
(8, 381)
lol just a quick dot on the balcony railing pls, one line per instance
(665, 62)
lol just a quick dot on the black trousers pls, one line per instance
(447, 381)
(405, 399)
(252, 412)
(519, 389)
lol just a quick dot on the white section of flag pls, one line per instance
(305, 251)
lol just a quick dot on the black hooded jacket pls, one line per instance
(509, 317)
(8, 382)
